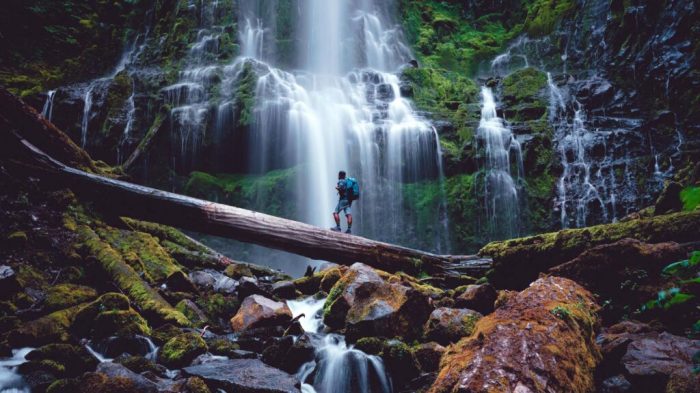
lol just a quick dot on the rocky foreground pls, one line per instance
(96, 303)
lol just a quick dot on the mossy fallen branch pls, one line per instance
(151, 304)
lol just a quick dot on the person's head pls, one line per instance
(341, 175)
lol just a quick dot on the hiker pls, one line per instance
(348, 191)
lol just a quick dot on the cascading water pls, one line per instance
(47, 110)
(10, 380)
(345, 111)
(502, 153)
(338, 368)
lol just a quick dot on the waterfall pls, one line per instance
(342, 111)
(47, 110)
(502, 152)
(338, 367)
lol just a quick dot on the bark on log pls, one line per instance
(127, 199)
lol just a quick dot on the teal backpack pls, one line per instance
(352, 188)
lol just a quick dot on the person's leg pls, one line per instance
(336, 217)
(348, 217)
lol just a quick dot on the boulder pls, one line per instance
(541, 340)
(479, 298)
(75, 360)
(647, 359)
(180, 350)
(116, 370)
(369, 302)
(448, 325)
(670, 199)
(258, 311)
(244, 375)
(623, 273)
(250, 286)
(189, 309)
(8, 281)
(428, 356)
(284, 290)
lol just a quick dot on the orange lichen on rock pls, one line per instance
(540, 340)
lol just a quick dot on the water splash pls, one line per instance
(338, 367)
(10, 380)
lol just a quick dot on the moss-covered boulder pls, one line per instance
(369, 302)
(547, 330)
(517, 262)
(54, 327)
(180, 350)
(448, 325)
(480, 298)
(190, 309)
(110, 314)
(74, 360)
(257, 311)
(65, 295)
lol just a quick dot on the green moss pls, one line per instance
(28, 276)
(122, 323)
(266, 193)
(50, 328)
(129, 281)
(179, 351)
(222, 347)
(218, 306)
(65, 295)
(17, 239)
(245, 95)
(544, 15)
(164, 232)
(370, 345)
(524, 85)
(690, 196)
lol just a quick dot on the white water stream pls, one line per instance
(10, 380)
(338, 367)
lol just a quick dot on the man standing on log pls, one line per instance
(348, 191)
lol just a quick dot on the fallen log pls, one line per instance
(132, 200)
(16, 114)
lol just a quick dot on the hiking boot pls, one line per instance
(348, 230)
(335, 229)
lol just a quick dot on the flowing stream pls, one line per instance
(338, 367)
(10, 380)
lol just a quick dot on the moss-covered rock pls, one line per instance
(53, 327)
(65, 295)
(518, 261)
(189, 309)
(223, 347)
(75, 360)
(561, 351)
(17, 239)
(448, 325)
(122, 323)
(369, 302)
(179, 351)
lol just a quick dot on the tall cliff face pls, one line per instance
(598, 100)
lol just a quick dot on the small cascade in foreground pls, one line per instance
(503, 162)
(10, 380)
(106, 350)
(338, 367)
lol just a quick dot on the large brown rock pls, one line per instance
(540, 340)
(369, 302)
(480, 298)
(258, 311)
(623, 273)
(448, 325)
(648, 360)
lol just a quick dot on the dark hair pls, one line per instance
(341, 175)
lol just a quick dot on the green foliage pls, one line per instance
(690, 196)
(684, 269)
(267, 193)
(544, 15)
